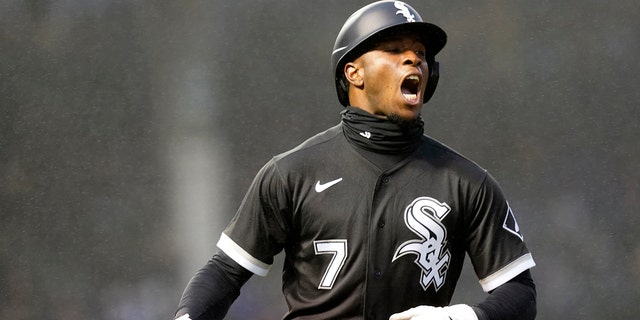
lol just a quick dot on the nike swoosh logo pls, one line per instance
(324, 186)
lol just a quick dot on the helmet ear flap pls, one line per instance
(432, 81)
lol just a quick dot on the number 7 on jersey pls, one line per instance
(337, 248)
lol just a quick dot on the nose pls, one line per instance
(412, 58)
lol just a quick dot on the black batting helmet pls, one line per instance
(384, 17)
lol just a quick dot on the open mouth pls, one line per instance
(410, 88)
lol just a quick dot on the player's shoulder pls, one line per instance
(313, 147)
(447, 158)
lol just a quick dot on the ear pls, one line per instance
(353, 74)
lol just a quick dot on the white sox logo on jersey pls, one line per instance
(423, 216)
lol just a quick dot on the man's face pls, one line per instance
(392, 78)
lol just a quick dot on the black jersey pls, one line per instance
(362, 242)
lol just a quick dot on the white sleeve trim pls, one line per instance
(507, 273)
(242, 257)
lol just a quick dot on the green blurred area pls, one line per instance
(118, 117)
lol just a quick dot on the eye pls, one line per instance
(421, 54)
(392, 49)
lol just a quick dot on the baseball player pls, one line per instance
(375, 217)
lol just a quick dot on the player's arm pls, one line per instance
(515, 299)
(213, 289)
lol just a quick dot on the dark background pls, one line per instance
(130, 130)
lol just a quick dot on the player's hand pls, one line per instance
(455, 312)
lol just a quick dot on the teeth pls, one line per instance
(410, 96)
(413, 78)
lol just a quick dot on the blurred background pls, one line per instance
(130, 130)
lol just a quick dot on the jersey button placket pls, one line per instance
(376, 285)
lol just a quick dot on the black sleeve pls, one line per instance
(515, 300)
(213, 289)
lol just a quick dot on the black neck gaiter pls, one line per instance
(378, 135)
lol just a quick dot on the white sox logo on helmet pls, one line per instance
(423, 216)
(404, 11)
